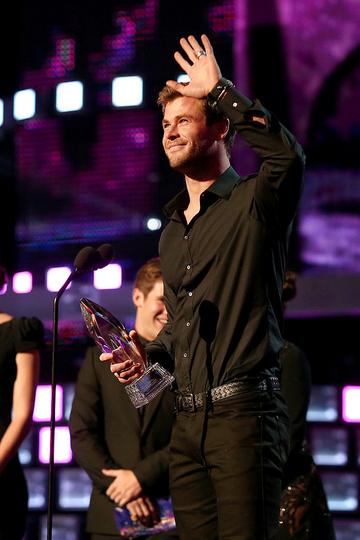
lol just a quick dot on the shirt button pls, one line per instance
(188, 323)
(188, 266)
(190, 293)
(185, 355)
(235, 104)
(186, 237)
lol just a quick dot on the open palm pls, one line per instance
(203, 70)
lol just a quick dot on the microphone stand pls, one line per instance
(53, 403)
(86, 260)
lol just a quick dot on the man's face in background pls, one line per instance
(151, 315)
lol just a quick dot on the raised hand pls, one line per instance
(200, 65)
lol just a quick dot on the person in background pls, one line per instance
(21, 340)
(124, 450)
(304, 512)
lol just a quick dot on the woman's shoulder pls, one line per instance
(29, 332)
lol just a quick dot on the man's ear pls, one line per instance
(138, 297)
(223, 128)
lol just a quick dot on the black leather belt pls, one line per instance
(192, 402)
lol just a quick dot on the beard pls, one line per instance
(187, 160)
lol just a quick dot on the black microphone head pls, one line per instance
(105, 254)
(85, 259)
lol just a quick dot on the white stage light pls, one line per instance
(153, 224)
(22, 282)
(1, 112)
(24, 104)
(127, 91)
(109, 277)
(69, 96)
(56, 277)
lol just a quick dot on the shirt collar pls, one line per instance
(221, 188)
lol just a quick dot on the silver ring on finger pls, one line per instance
(200, 53)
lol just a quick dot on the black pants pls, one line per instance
(226, 468)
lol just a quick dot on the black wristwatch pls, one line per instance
(218, 92)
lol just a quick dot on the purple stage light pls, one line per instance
(42, 408)
(22, 282)
(62, 447)
(3, 289)
(109, 277)
(351, 403)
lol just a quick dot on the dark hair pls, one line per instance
(4, 278)
(148, 275)
(167, 95)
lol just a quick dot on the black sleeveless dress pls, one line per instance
(16, 335)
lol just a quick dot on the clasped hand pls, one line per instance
(126, 490)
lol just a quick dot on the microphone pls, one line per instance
(88, 259)
(85, 259)
(105, 254)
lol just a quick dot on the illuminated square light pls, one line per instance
(75, 489)
(347, 529)
(56, 277)
(24, 104)
(109, 277)
(22, 282)
(127, 91)
(351, 403)
(183, 77)
(62, 445)
(323, 406)
(69, 392)
(64, 527)
(341, 489)
(42, 407)
(329, 445)
(1, 112)
(69, 96)
(37, 480)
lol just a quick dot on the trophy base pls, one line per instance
(150, 384)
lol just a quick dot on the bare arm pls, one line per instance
(27, 364)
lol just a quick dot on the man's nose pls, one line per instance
(172, 132)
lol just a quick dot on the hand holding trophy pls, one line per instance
(112, 337)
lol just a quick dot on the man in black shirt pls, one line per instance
(223, 255)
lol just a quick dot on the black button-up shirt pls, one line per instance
(223, 271)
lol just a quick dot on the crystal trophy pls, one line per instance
(111, 335)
